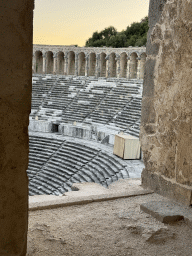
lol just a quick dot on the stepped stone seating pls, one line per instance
(41, 85)
(55, 165)
(86, 101)
(56, 175)
(40, 150)
(62, 94)
(129, 115)
(63, 99)
(135, 129)
(114, 102)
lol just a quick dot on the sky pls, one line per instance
(72, 22)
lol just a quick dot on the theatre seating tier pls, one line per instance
(41, 86)
(130, 115)
(58, 164)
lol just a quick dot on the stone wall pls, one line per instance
(166, 129)
(15, 100)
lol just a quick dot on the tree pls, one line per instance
(134, 35)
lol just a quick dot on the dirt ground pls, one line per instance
(108, 228)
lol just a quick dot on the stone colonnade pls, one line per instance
(83, 61)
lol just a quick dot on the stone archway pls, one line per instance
(39, 62)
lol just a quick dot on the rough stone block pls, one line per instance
(163, 211)
(168, 211)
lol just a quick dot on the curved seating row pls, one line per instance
(41, 86)
(59, 164)
(129, 115)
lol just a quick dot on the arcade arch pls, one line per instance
(38, 62)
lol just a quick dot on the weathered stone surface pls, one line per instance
(167, 187)
(166, 138)
(163, 211)
(15, 100)
(168, 211)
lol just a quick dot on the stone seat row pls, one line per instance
(129, 115)
(70, 163)
(66, 84)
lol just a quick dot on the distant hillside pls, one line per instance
(134, 35)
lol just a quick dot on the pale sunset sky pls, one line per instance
(72, 22)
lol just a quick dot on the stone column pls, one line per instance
(34, 64)
(16, 28)
(107, 66)
(98, 64)
(117, 65)
(55, 63)
(44, 63)
(138, 67)
(76, 63)
(86, 64)
(128, 67)
(66, 64)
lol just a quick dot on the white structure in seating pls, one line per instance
(89, 61)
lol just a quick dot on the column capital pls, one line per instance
(107, 57)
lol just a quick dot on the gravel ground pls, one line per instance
(108, 228)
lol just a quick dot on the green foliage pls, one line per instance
(134, 35)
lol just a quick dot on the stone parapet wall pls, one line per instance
(166, 106)
(89, 61)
